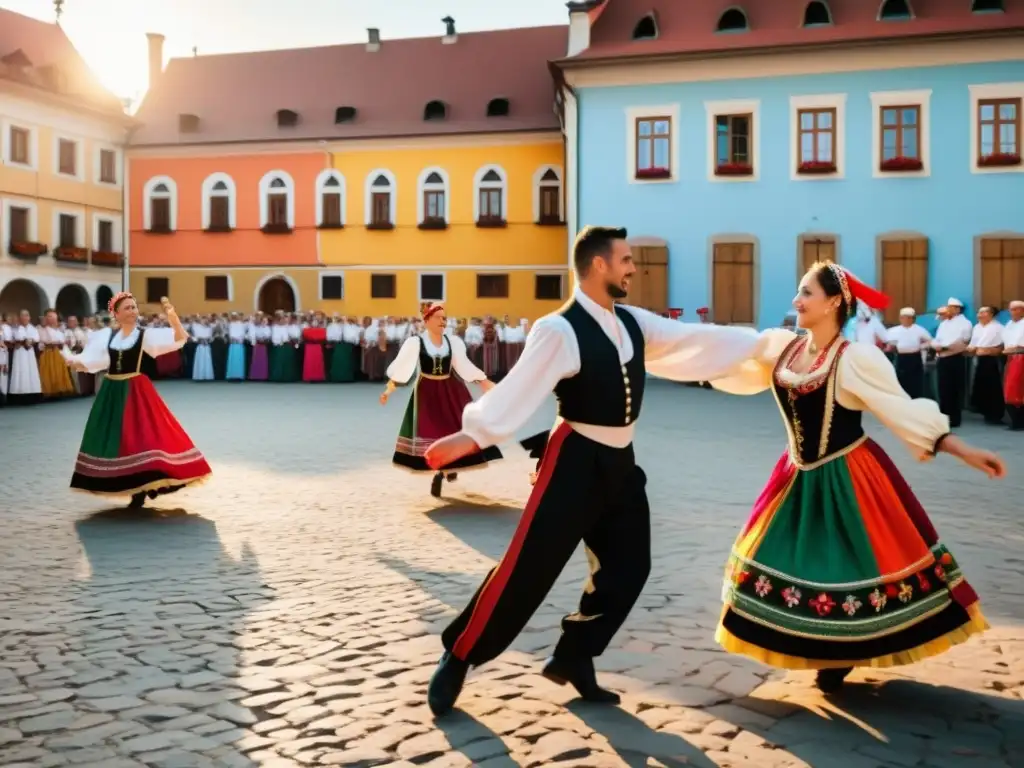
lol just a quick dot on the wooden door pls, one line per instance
(276, 295)
(1002, 271)
(652, 267)
(815, 249)
(905, 275)
(732, 281)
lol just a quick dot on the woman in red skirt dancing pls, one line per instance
(133, 446)
(438, 397)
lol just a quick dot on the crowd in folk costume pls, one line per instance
(868, 581)
(976, 365)
(280, 347)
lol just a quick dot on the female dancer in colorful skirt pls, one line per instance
(133, 445)
(438, 397)
(838, 565)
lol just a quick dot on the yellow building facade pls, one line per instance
(61, 185)
(475, 222)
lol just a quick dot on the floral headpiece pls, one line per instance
(116, 298)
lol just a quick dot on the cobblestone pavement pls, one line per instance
(287, 613)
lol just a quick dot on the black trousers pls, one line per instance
(951, 373)
(910, 372)
(987, 389)
(585, 491)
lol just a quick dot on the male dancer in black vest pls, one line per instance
(594, 354)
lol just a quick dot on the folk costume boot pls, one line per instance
(581, 675)
(446, 684)
(831, 680)
(138, 501)
(435, 485)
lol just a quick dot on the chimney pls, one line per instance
(450, 35)
(373, 43)
(579, 26)
(156, 56)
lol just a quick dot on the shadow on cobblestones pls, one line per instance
(485, 526)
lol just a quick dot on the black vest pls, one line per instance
(819, 426)
(604, 392)
(436, 366)
(126, 361)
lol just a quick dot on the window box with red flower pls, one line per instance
(816, 167)
(734, 169)
(999, 160)
(27, 250)
(901, 165)
(653, 173)
(107, 259)
(71, 254)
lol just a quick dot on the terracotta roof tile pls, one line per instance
(690, 27)
(45, 45)
(237, 96)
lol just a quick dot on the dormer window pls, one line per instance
(497, 108)
(188, 123)
(987, 6)
(435, 110)
(895, 10)
(344, 114)
(286, 118)
(733, 20)
(646, 28)
(817, 14)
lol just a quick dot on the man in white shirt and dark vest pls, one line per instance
(594, 354)
(909, 341)
(951, 340)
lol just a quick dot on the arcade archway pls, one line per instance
(73, 299)
(103, 296)
(276, 293)
(23, 294)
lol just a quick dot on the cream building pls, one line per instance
(62, 175)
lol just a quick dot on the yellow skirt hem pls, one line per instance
(975, 626)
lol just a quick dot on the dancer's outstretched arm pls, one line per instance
(403, 367)
(550, 355)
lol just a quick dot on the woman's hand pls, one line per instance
(486, 385)
(984, 461)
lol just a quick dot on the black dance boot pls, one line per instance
(580, 673)
(446, 684)
(435, 485)
(451, 477)
(138, 501)
(831, 680)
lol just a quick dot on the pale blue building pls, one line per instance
(738, 146)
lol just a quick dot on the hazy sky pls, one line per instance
(111, 34)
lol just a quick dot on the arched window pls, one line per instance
(490, 200)
(433, 203)
(219, 203)
(733, 20)
(547, 195)
(381, 196)
(817, 14)
(435, 110)
(330, 199)
(160, 213)
(893, 10)
(277, 203)
(646, 28)
(497, 108)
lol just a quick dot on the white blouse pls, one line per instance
(951, 331)
(404, 366)
(908, 339)
(96, 358)
(23, 333)
(236, 332)
(990, 335)
(52, 336)
(866, 381)
(1013, 334)
(202, 332)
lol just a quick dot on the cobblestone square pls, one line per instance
(287, 613)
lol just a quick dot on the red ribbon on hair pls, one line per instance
(432, 310)
(873, 297)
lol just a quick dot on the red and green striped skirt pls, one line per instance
(839, 566)
(133, 444)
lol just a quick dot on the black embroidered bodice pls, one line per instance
(604, 392)
(819, 427)
(434, 365)
(125, 361)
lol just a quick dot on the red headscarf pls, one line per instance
(853, 288)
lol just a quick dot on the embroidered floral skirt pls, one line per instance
(133, 444)
(839, 566)
(435, 411)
